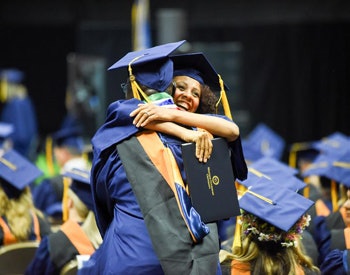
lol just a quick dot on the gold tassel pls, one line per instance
(293, 159)
(223, 99)
(66, 182)
(3, 90)
(136, 90)
(237, 239)
(49, 156)
(334, 195)
(306, 192)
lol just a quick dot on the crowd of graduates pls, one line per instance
(295, 216)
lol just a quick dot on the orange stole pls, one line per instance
(9, 238)
(78, 238)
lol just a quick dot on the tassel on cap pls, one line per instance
(66, 182)
(136, 90)
(237, 239)
(223, 99)
(334, 196)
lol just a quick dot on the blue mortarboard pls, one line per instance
(334, 143)
(70, 137)
(302, 151)
(16, 172)
(198, 67)
(81, 185)
(6, 129)
(274, 170)
(278, 206)
(271, 167)
(151, 67)
(263, 141)
(334, 166)
(12, 75)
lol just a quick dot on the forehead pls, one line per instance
(190, 82)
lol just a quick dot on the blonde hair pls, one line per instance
(269, 258)
(18, 213)
(89, 225)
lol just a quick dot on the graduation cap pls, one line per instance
(277, 206)
(80, 185)
(198, 67)
(263, 141)
(16, 173)
(12, 75)
(150, 67)
(333, 144)
(306, 151)
(69, 137)
(334, 166)
(6, 129)
(273, 170)
(271, 167)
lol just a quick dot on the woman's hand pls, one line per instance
(147, 113)
(203, 142)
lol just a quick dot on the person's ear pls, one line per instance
(70, 203)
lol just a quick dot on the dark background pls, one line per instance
(290, 59)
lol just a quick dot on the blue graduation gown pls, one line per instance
(126, 247)
(21, 113)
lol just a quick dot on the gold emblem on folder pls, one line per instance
(212, 181)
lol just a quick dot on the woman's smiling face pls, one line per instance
(187, 93)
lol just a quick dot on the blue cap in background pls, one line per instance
(80, 185)
(263, 141)
(69, 137)
(16, 173)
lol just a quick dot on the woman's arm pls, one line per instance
(202, 139)
(217, 126)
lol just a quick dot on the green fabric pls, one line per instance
(41, 163)
(158, 96)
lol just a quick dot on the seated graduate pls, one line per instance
(68, 146)
(328, 198)
(330, 232)
(268, 233)
(78, 235)
(19, 110)
(19, 219)
(286, 177)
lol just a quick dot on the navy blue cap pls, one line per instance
(263, 141)
(6, 129)
(278, 206)
(335, 166)
(147, 55)
(151, 67)
(69, 137)
(198, 67)
(12, 75)
(16, 173)
(271, 167)
(157, 75)
(333, 144)
(273, 170)
(80, 185)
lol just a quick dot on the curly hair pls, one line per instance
(207, 104)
